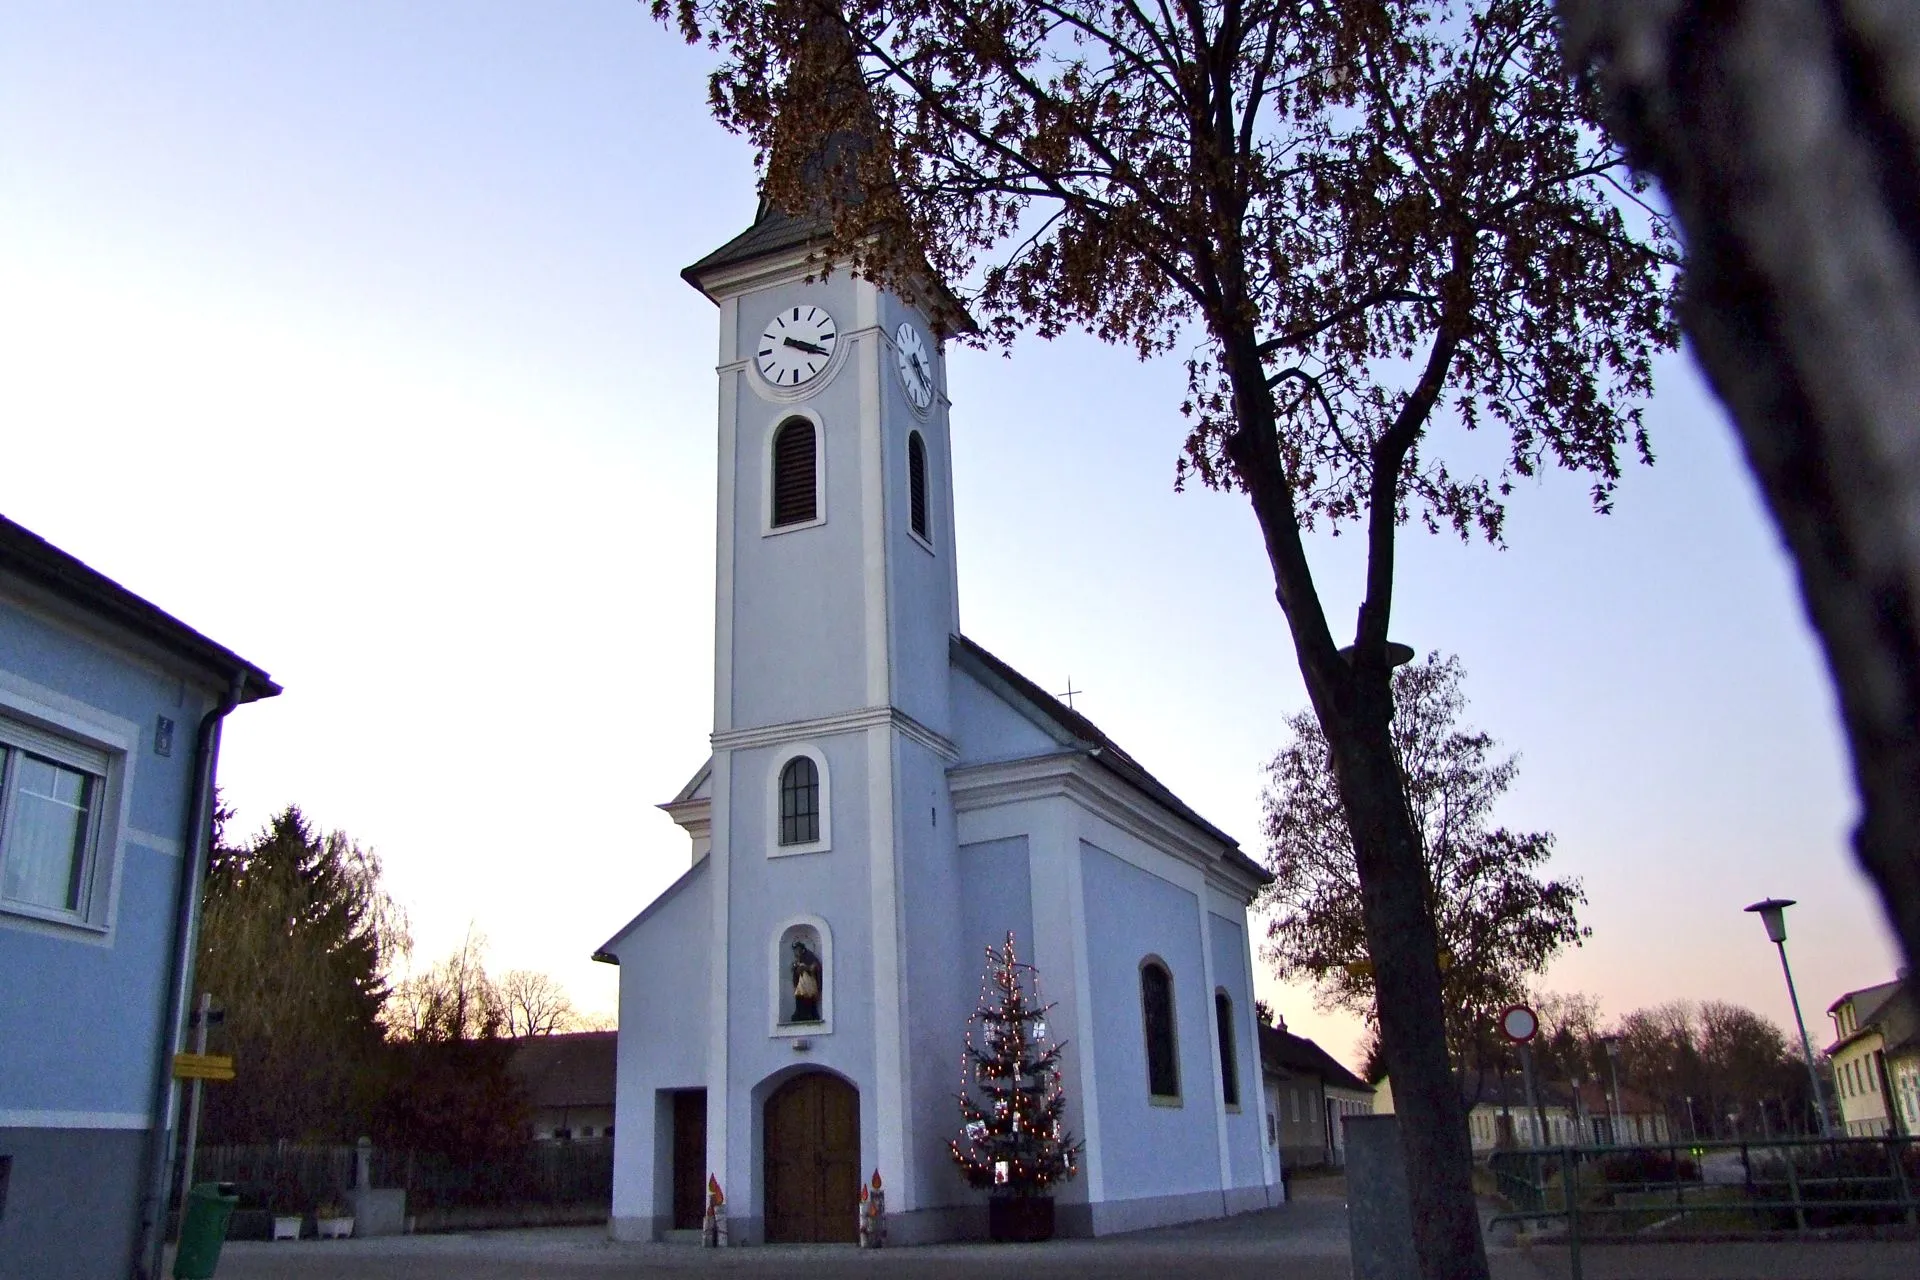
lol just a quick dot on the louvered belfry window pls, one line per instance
(794, 465)
(799, 802)
(917, 483)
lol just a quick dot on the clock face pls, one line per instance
(916, 365)
(796, 346)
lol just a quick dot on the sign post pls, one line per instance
(1519, 1025)
(199, 1067)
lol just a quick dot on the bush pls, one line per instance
(1637, 1167)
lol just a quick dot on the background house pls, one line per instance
(1308, 1092)
(109, 738)
(1876, 1059)
(569, 1083)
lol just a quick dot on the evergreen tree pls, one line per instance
(1012, 1140)
(295, 939)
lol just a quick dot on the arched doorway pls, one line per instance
(812, 1127)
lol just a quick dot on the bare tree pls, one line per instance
(537, 1005)
(455, 999)
(1361, 221)
(1787, 137)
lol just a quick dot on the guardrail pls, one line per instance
(1649, 1192)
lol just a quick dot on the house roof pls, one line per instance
(33, 559)
(1075, 730)
(1887, 1008)
(573, 1069)
(1283, 1051)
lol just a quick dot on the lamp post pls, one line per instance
(1613, 1073)
(1773, 913)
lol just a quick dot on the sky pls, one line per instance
(353, 335)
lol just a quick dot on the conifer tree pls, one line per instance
(1012, 1140)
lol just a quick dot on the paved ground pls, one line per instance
(1304, 1240)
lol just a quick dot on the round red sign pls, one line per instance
(1518, 1024)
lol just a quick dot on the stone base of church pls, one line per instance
(639, 1230)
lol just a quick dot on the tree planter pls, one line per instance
(334, 1228)
(1020, 1219)
(286, 1226)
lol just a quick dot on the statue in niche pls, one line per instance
(806, 975)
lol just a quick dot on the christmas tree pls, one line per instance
(1011, 1139)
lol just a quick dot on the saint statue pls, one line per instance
(806, 983)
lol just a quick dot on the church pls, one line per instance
(883, 800)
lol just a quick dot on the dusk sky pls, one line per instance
(352, 334)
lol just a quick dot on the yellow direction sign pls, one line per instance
(202, 1066)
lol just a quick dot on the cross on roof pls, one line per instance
(1068, 695)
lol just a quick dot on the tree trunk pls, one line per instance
(1354, 703)
(1787, 137)
(1396, 904)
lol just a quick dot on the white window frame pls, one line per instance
(40, 727)
(767, 528)
(926, 470)
(1178, 1097)
(776, 974)
(782, 755)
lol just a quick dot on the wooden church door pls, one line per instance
(689, 1158)
(812, 1127)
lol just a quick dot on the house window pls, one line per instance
(917, 484)
(800, 802)
(795, 471)
(1156, 1012)
(51, 796)
(1223, 1024)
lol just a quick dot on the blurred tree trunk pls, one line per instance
(1786, 134)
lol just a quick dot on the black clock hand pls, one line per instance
(808, 347)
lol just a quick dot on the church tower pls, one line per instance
(832, 852)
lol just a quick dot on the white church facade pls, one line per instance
(883, 800)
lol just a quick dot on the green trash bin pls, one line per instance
(203, 1229)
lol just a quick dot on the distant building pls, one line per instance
(1499, 1114)
(110, 715)
(569, 1082)
(1308, 1093)
(1876, 1060)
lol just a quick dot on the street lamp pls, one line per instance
(1613, 1071)
(1773, 913)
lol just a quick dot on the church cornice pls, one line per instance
(845, 722)
(1079, 775)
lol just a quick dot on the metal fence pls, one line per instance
(1681, 1190)
(293, 1178)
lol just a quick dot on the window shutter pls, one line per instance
(793, 473)
(917, 482)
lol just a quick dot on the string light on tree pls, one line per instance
(1012, 1140)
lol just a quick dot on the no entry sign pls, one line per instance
(1518, 1024)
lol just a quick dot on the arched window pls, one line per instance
(917, 484)
(1229, 1073)
(795, 468)
(800, 802)
(1156, 1011)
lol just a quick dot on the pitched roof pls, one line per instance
(1074, 730)
(35, 560)
(1887, 1008)
(573, 1069)
(773, 231)
(1283, 1051)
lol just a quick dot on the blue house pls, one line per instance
(110, 714)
